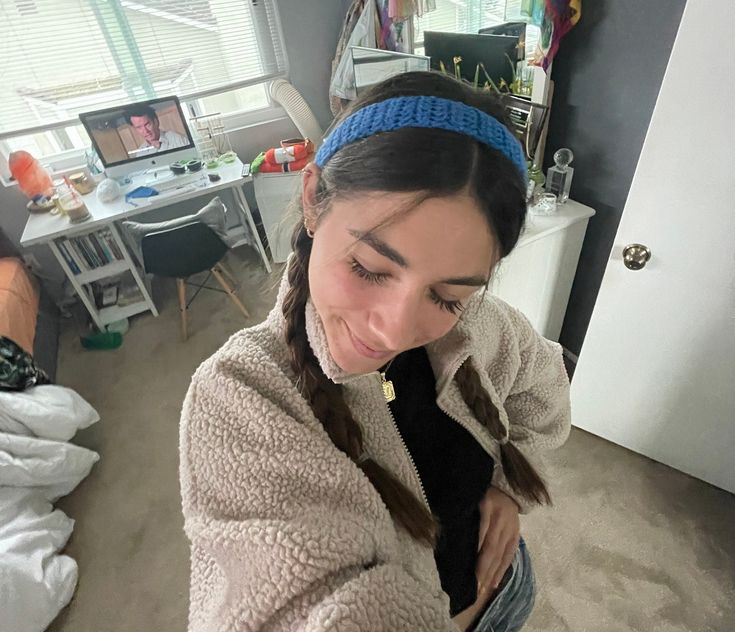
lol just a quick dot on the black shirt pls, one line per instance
(454, 469)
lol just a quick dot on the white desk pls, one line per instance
(48, 229)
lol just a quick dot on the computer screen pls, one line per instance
(512, 29)
(492, 51)
(142, 132)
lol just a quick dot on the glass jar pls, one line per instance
(81, 182)
(70, 203)
(546, 205)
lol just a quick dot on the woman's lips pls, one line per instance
(366, 351)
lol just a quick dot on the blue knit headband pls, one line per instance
(423, 111)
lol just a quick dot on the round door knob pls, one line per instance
(636, 256)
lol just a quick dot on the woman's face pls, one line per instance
(381, 292)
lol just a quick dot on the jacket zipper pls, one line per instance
(405, 447)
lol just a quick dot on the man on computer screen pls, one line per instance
(145, 121)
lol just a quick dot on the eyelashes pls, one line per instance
(453, 307)
(363, 273)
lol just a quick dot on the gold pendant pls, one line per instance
(388, 391)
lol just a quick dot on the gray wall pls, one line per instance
(311, 29)
(607, 76)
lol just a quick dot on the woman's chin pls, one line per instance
(354, 364)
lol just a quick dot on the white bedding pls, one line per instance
(37, 467)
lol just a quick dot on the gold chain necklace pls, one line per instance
(388, 391)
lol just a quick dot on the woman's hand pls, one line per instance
(500, 530)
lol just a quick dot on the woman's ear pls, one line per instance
(309, 187)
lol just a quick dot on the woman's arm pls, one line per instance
(285, 530)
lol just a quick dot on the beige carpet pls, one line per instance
(629, 545)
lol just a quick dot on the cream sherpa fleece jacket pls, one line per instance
(286, 532)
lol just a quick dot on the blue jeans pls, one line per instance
(511, 607)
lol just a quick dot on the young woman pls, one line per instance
(358, 461)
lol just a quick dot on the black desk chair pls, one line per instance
(186, 250)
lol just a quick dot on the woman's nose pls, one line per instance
(395, 323)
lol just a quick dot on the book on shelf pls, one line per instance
(74, 254)
(90, 242)
(83, 253)
(67, 258)
(90, 251)
(113, 245)
(88, 254)
(97, 247)
(129, 294)
(104, 244)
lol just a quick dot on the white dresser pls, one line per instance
(537, 277)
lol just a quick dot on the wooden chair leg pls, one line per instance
(182, 307)
(226, 271)
(216, 271)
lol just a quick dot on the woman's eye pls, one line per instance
(453, 307)
(363, 273)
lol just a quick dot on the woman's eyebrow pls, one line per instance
(472, 280)
(379, 246)
(389, 252)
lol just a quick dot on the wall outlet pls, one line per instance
(31, 261)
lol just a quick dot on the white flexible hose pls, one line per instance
(297, 108)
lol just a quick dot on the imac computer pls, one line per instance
(512, 29)
(495, 52)
(146, 136)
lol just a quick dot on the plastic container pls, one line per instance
(102, 340)
(31, 177)
(119, 326)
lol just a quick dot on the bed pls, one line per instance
(28, 315)
(18, 303)
(38, 464)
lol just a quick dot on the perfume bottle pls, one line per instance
(559, 177)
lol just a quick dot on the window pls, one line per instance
(469, 16)
(216, 55)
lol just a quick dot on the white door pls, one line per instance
(656, 373)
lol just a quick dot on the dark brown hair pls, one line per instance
(442, 163)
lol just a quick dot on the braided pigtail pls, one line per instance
(327, 401)
(523, 479)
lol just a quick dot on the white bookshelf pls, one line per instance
(96, 255)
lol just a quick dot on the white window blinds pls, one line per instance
(459, 16)
(62, 58)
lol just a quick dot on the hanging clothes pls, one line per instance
(558, 18)
(358, 30)
(404, 9)
(379, 24)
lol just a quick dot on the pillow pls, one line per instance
(48, 411)
(53, 468)
(213, 215)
